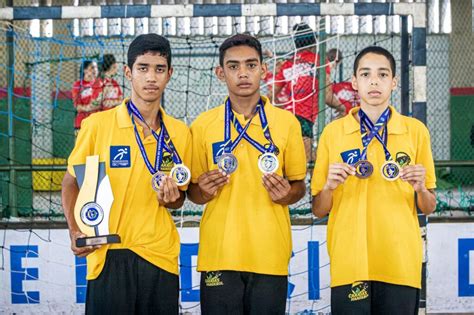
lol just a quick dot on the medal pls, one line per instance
(227, 163)
(156, 179)
(363, 169)
(268, 163)
(390, 170)
(92, 214)
(180, 174)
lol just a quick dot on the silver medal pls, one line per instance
(227, 163)
(268, 163)
(181, 174)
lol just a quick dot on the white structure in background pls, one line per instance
(439, 21)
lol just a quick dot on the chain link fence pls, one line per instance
(37, 113)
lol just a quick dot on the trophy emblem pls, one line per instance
(93, 204)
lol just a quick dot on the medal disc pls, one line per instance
(181, 174)
(227, 163)
(363, 169)
(155, 180)
(268, 163)
(390, 170)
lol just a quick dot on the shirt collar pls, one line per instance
(395, 123)
(268, 108)
(124, 121)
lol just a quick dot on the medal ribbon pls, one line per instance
(229, 146)
(161, 139)
(243, 131)
(369, 131)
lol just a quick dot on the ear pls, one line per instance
(264, 70)
(394, 83)
(220, 73)
(128, 72)
(170, 72)
(354, 82)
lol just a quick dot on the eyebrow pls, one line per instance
(236, 61)
(147, 65)
(379, 69)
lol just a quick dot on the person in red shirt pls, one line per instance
(299, 77)
(112, 94)
(86, 93)
(342, 90)
(269, 82)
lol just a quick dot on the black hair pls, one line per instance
(240, 40)
(304, 36)
(108, 60)
(334, 54)
(378, 51)
(85, 64)
(148, 43)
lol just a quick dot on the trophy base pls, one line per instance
(98, 240)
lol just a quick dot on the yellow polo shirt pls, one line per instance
(242, 229)
(373, 231)
(144, 226)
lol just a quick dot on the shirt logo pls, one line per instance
(402, 159)
(217, 150)
(120, 156)
(351, 156)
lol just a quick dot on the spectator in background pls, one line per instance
(86, 92)
(342, 90)
(273, 68)
(111, 92)
(299, 77)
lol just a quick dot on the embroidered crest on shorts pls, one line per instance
(213, 279)
(358, 291)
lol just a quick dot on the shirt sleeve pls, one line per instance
(199, 163)
(320, 171)
(84, 146)
(295, 157)
(424, 157)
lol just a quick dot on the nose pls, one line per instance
(243, 73)
(373, 80)
(150, 76)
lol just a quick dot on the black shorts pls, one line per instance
(373, 297)
(235, 292)
(129, 284)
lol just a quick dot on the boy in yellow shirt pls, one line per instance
(137, 141)
(369, 166)
(248, 165)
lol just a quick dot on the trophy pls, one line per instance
(92, 208)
